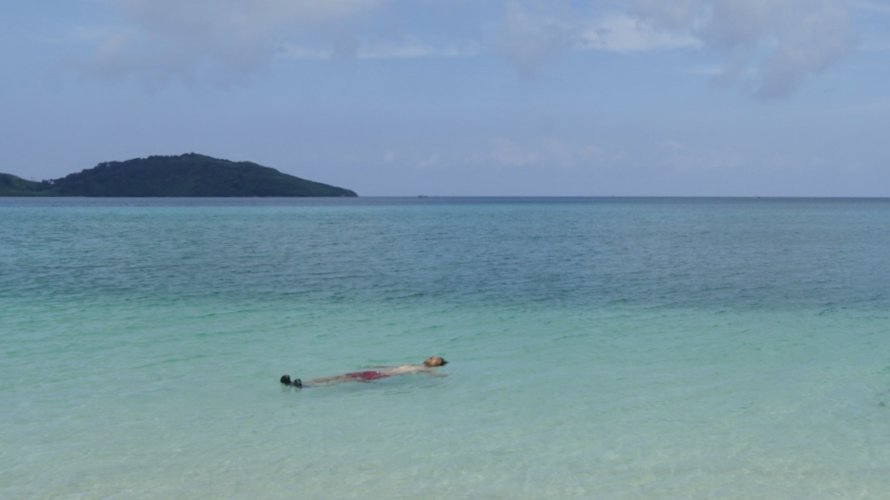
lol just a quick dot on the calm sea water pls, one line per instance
(598, 348)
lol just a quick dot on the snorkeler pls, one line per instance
(379, 372)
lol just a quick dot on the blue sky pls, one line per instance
(460, 97)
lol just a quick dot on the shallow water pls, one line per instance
(617, 348)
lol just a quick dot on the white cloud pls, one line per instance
(300, 52)
(873, 6)
(507, 153)
(623, 33)
(872, 44)
(873, 17)
(413, 48)
(545, 153)
(768, 46)
(409, 48)
(868, 108)
(780, 42)
(682, 157)
(534, 32)
(162, 39)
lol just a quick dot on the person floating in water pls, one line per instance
(378, 372)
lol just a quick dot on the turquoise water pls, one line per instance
(598, 348)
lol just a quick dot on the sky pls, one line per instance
(461, 97)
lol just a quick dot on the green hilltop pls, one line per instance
(188, 175)
(11, 185)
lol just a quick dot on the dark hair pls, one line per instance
(285, 379)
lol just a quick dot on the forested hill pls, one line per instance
(11, 185)
(172, 176)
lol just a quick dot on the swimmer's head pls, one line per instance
(285, 379)
(434, 361)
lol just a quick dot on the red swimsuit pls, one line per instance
(366, 375)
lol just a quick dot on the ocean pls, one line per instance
(597, 348)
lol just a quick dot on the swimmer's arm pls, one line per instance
(403, 369)
(432, 372)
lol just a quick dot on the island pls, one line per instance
(187, 175)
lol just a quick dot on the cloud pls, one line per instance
(682, 157)
(162, 39)
(872, 17)
(623, 33)
(505, 153)
(405, 48)
(534, 32)
(873, 6)
(770, 46)
(545, 153)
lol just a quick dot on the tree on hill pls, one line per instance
(188, 175)
(11, 185)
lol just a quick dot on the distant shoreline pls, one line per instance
(189, 175)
